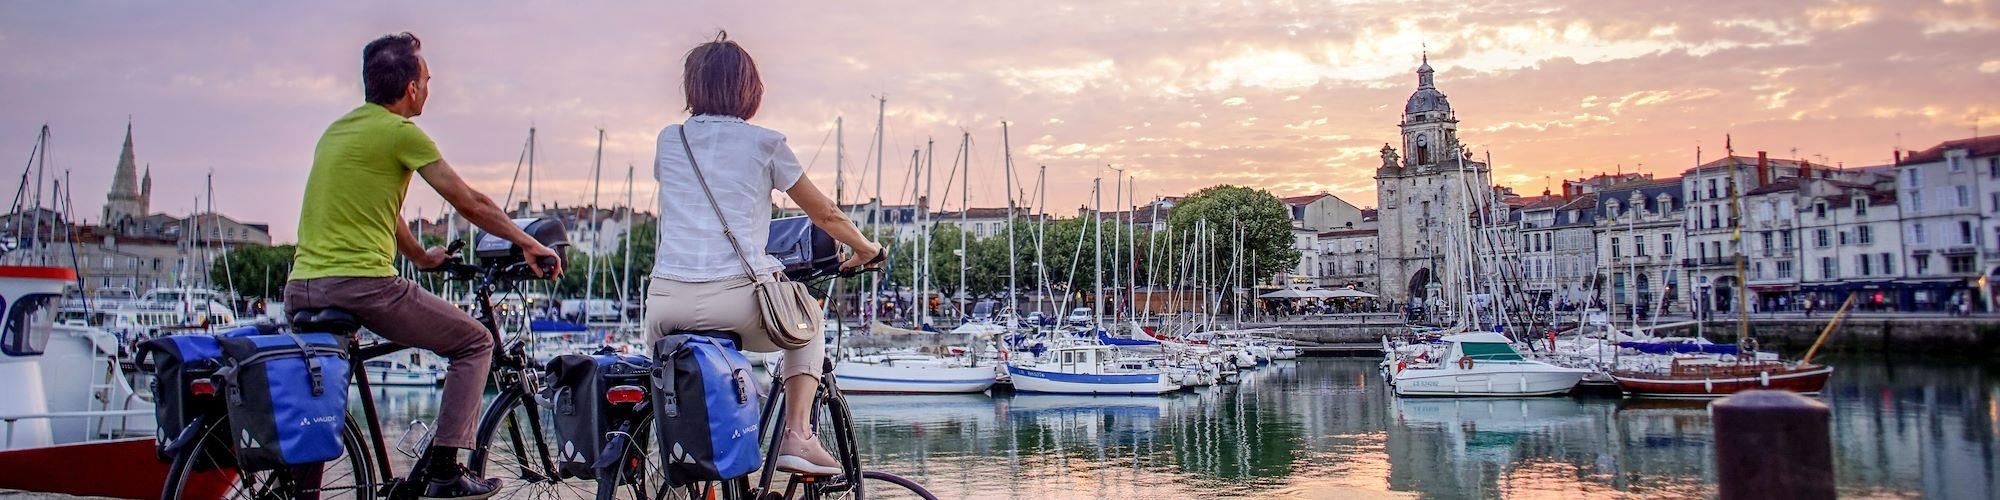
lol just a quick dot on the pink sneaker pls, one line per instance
(802, 454)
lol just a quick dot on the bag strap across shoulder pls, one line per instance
(748, 270)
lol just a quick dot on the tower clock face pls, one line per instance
(1422, 140)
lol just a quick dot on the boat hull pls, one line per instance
(1497, 382)
(140, 473)
(867, 378)
(1030, 380)
(1804, 381)
(394, 377)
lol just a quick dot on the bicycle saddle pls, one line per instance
(325, 320)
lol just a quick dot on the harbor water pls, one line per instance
(1320, 428)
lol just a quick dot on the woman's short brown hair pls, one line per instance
(720, 78)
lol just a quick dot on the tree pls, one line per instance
(1263, 221)
(254, 271)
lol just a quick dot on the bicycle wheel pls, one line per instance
(637, 475)
(514, 445)
(207, 465)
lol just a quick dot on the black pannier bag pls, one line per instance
(578, 386)
(287, 398)
(177, 362)
(804, 249)
(705, 408)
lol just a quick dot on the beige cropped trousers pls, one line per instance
(728, 305)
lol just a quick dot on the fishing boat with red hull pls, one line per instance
(1708, 380)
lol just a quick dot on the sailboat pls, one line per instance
(1700, 377)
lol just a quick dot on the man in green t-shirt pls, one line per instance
(351, 228)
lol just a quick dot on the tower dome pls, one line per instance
(1427, 98)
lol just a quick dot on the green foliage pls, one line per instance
(1264, 222)
(256, 271)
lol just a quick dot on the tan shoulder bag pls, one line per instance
(791, 314)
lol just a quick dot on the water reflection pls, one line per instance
(1321, 428)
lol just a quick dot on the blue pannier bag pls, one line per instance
(705, 407)
(287, 398)
(577, 386)
(176, 363)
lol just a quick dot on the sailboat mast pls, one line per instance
(1097, 254)
(531, 172)
(930, 174)
(631, 224)
(964, 211)
(596, 229)
(875, 223)
(1041, 234)
(1007, 156)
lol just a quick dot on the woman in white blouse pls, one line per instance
(698, 282)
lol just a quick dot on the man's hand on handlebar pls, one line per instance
(432, 258)
(543, 261)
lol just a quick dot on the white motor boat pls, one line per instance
(1079, 368)
(419, 368)
(75, 425)
(1479, 364)
(914, 373)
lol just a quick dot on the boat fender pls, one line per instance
(1465, 362)
(1764, 378)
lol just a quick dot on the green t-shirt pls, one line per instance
(354, 195)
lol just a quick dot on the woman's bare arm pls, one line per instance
(827, 215)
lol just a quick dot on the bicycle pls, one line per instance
(629, 465)
(524, 459)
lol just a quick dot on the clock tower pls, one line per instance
(1427, 198)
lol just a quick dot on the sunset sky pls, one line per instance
(1295, 97)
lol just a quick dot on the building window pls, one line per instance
(1964, 196)
(1917, 233)
(1767, 240)
(1757, 270)
(1821, 238)
(1993, 201)
(1964, 233)
(1861, 206)
(1888, 263)
(1921, 263)
(1786, 237)
(1866, 266)
(1957, 164)
(1826, 270)
(1667, 245)
(1819, 210)
(1913, 177)
(1614, 248)
(1784, 269)
(1959, 264)
(1711, 188)
(1639, 246)
(1865, 234)
(1916, 200)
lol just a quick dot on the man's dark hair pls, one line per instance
(720, 78)
(388, 65)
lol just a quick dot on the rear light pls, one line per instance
(202, 387)
(625, 394)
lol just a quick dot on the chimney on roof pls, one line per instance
(1763, 169)
(1899, 156)
(1805, 169)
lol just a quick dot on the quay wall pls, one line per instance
(1934, 336)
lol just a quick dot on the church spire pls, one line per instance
(1424, 72)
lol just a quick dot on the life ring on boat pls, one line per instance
(1465, 362)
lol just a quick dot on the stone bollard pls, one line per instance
(1772, 444)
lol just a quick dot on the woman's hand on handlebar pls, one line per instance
(868, 256)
